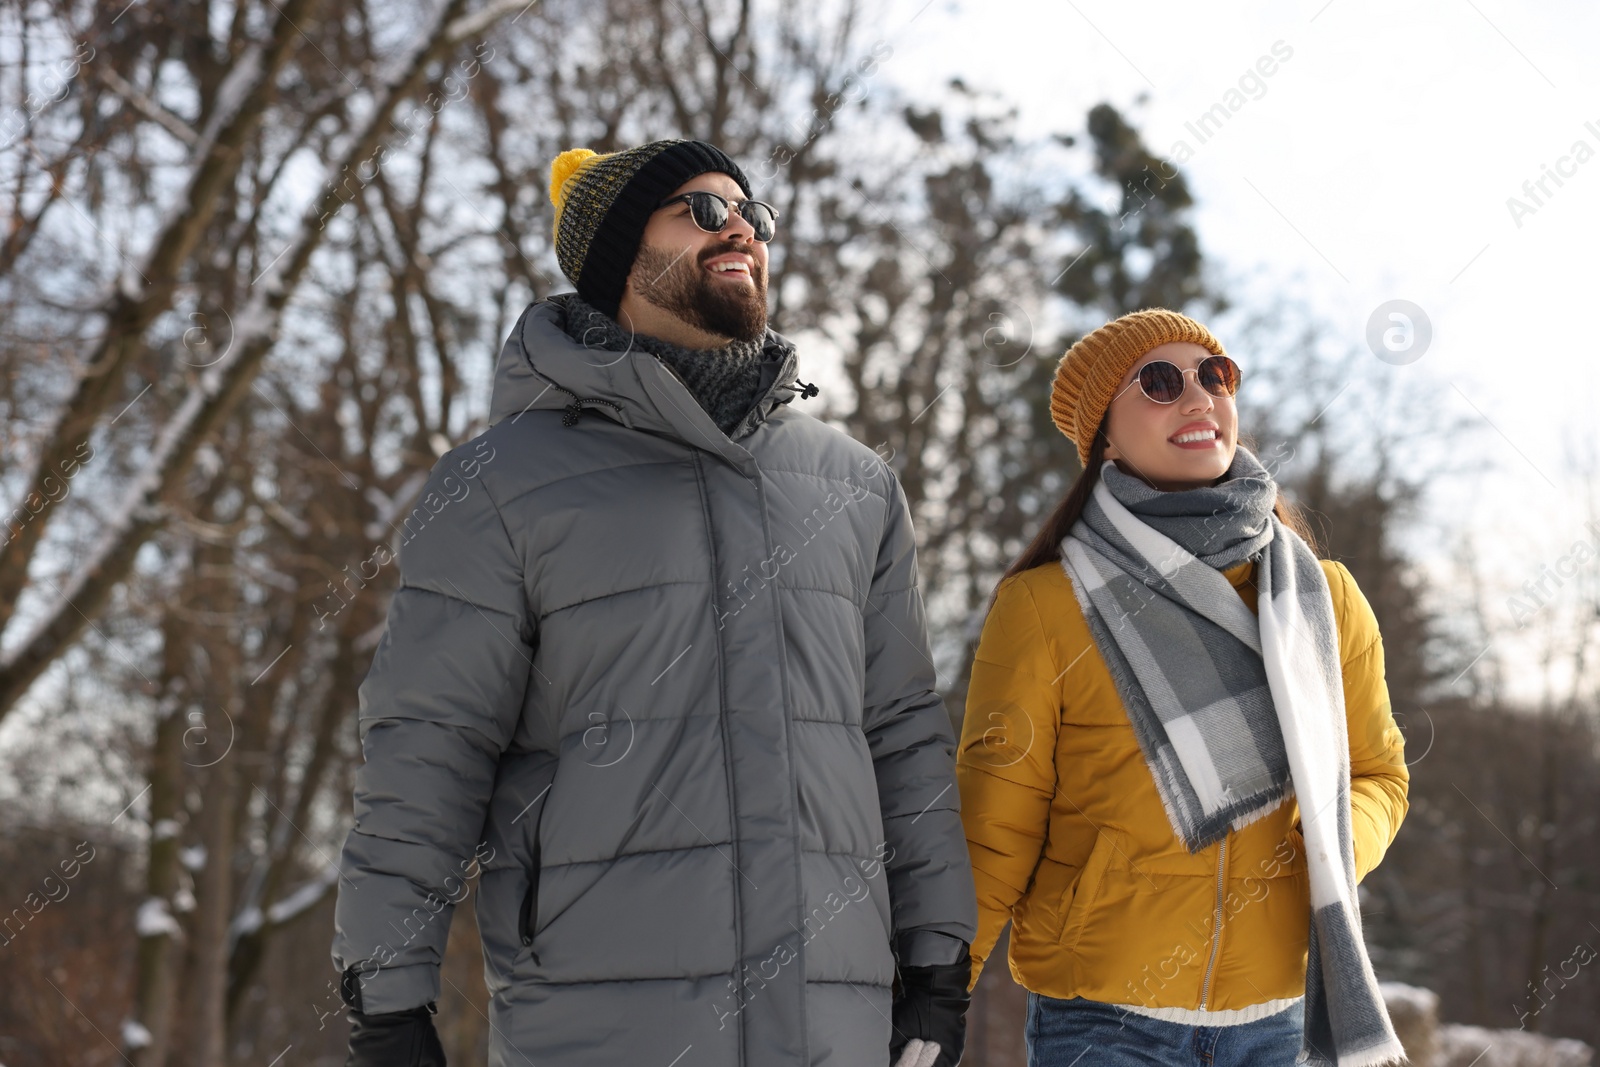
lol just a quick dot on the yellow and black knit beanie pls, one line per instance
(604, 200)
(1088, 375)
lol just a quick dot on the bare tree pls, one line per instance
(125, 314)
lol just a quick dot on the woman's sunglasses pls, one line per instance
(1162, 381)
(710, 212)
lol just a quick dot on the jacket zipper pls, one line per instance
(528, 914)
(1216, 926)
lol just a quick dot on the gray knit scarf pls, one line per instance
(1233, 711)
(726, 381)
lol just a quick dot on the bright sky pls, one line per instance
(1373, 164)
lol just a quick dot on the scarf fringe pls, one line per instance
(1238, 822)
(1272, 805)
(1388, 1054)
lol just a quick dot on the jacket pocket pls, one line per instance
(528, 915)
(1289, 857)
(1086, 887)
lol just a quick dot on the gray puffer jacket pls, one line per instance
(669, 690)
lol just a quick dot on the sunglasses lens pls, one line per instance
(710, 212)
(1219, 375)
(1161, 381)
(760, 218)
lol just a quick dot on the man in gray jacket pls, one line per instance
(657, 672)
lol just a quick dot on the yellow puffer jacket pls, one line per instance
(1069, 840)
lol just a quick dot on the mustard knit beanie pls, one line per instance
(603, 201)
(1088, 375)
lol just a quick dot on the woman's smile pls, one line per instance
(1197, 436)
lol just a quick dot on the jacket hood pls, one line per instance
(541, 367)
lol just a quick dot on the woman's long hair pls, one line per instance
(1046, 545)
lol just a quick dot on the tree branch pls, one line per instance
(218, 389)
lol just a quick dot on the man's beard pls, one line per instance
(679, 284)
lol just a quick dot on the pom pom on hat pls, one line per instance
(562, 170)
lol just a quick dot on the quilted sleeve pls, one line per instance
(912, 744)
(436, 710)
(1006, 760)
(1379, 780)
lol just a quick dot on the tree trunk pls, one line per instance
(158, 959)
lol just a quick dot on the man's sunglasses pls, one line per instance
(710, 212)
(1162, 381)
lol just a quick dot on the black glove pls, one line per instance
(932, 1005)
(395, 1039)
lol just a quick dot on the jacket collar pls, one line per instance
(541, 367)
(1240, 572)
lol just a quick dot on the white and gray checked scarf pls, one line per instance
(1234, 711)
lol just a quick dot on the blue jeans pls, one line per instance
(1089, 1033)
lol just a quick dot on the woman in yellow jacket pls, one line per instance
(1178, 756)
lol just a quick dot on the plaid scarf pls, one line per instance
(1233, 712)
